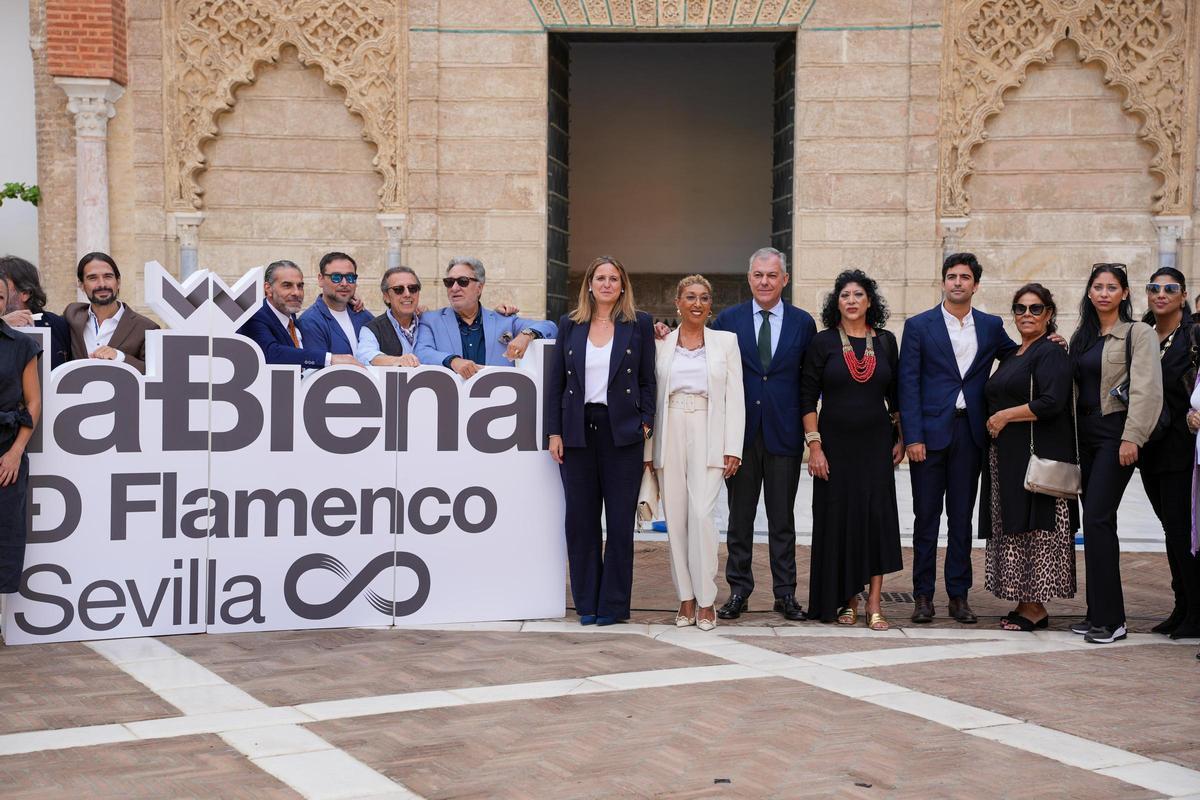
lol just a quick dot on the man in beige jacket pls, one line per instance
(104, 327)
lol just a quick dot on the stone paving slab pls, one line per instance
(1142, 699)
(766, 737)
(290, 667)
(802, 646)
(1145, 579)
(68, 685)
(190, 766)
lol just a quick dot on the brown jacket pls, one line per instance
(129, 337)
(1145, 384)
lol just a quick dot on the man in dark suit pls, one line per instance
(104, 327)
(331, 324)
(945, 359)
(27, 306)
(772, 336)
(274, 327)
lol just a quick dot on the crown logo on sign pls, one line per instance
(203, 303)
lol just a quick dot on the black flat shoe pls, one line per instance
(734, 607)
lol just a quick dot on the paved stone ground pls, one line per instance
(760, 708)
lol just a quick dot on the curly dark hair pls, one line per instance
(877, 314)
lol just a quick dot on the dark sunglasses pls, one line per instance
(1020, 309)
(463, 282)
(1109, 265)
(338, 277)
(405, 289)
(1169, 288)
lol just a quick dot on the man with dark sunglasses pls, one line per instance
(465, 336)
(331, 324)
(390, 339)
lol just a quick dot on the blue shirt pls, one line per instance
(472, 340)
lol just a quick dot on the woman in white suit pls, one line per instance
(697, 442)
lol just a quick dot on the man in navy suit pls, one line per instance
(772, 336)
(464, 336)
(331, 324)
(274, 327)
(945, 359)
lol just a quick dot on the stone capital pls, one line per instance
(952, 231)
(187, 227)
(393, 226)
(1171, 229)
(92, 101)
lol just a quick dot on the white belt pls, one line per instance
(688, 402)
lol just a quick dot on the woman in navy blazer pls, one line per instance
(601, 387)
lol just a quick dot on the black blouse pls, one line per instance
(16, 351)
(1176, 449)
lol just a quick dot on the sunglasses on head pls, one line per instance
(339, 277)
(1020, 309)
(461, 281)
(1110, 265)
(1169, 288)
(405, 289)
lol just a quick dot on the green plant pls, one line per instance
(19, 191)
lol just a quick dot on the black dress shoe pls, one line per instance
(1172, 622)
(790, 609)
(1188, 629)
(960, 609)
(734, 608)
(922, 610)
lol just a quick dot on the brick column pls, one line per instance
(86, 54)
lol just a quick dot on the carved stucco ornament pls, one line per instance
(218, 45)
(1143, 46)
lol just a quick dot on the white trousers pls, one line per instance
(689, 489)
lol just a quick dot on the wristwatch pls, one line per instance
(531, 333)
(649, 433)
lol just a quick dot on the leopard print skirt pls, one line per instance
(1031, 567)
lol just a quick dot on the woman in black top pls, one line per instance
(20, 406)
(1166, 462)
(854, 445)
(1031, 537)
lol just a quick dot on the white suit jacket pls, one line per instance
(726, 398)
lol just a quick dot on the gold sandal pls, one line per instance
(847, 616)
(877, 622)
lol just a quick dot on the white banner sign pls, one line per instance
(219, 493)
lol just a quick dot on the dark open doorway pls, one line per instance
(671, 152)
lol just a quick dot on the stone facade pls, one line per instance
(1042, 134)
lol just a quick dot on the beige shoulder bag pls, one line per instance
(1049, 477)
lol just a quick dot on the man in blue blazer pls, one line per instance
(946, 357)
(464, 336)
(772, 337)
(274, 327)
(330, 324)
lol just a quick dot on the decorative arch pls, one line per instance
(1143, 46)
(218, 45)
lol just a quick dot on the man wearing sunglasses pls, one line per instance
(465, 336)
(390, 339)
(331, 324)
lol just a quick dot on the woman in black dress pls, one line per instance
(20, 406)
(1030, 537)
(1167, 461)
(854, 446)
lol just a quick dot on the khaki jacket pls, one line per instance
(1145, 384)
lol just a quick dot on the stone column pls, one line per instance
(1170, 231)
(92, 101)
(187, 231)
(952, 231)
(393, 226)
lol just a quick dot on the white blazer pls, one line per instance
(726, 397)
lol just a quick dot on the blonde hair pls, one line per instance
(624, 311)
(693, 280)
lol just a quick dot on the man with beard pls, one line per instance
(104, 327)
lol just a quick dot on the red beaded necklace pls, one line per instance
(860, 370)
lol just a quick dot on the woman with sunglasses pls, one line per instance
(600, 389)
(1114, 361)
(1167, 461)
(1030, 537)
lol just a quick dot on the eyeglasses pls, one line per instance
(405, 289)
(338, 277)
(463, 282)
(1169, 288)
(1110, 265)
(1020, 309)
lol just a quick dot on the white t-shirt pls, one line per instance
(595, 372)
(689, 372)
(343, 319)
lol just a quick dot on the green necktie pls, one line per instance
(764, 340)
